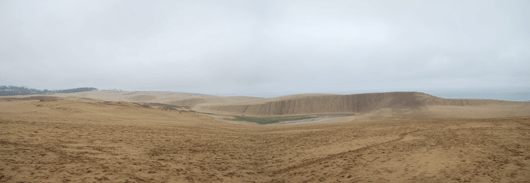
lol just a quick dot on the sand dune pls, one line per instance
(142, 98)
(180, 99)
(156, 97)
(323, 104)
(371, 106)
(53, 139)
(377, 104)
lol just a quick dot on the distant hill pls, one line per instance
(356, 103)
(22, 90)
(367, 106)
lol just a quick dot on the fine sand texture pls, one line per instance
(145, 97)
(411, 138)
(418, 105)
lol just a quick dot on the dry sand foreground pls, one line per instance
(95, 141)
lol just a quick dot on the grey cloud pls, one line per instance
(265, 46)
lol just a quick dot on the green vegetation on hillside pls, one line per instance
(22, 90)
(269, 120)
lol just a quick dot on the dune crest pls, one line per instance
(362, 103)
(368, 106)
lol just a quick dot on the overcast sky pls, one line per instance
(249, 47)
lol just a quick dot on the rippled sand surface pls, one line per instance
(93, 141)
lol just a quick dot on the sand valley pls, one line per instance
(108, 136)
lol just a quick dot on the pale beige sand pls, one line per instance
(383, 104)
(155, 97)
(87, 140)
(399, 102)
(180, 99)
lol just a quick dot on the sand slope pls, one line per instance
(79, 140)
(172, 98)
(399, 102)
(371, 106)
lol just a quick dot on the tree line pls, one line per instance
(22, 90)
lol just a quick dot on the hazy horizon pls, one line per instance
(521, 94)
